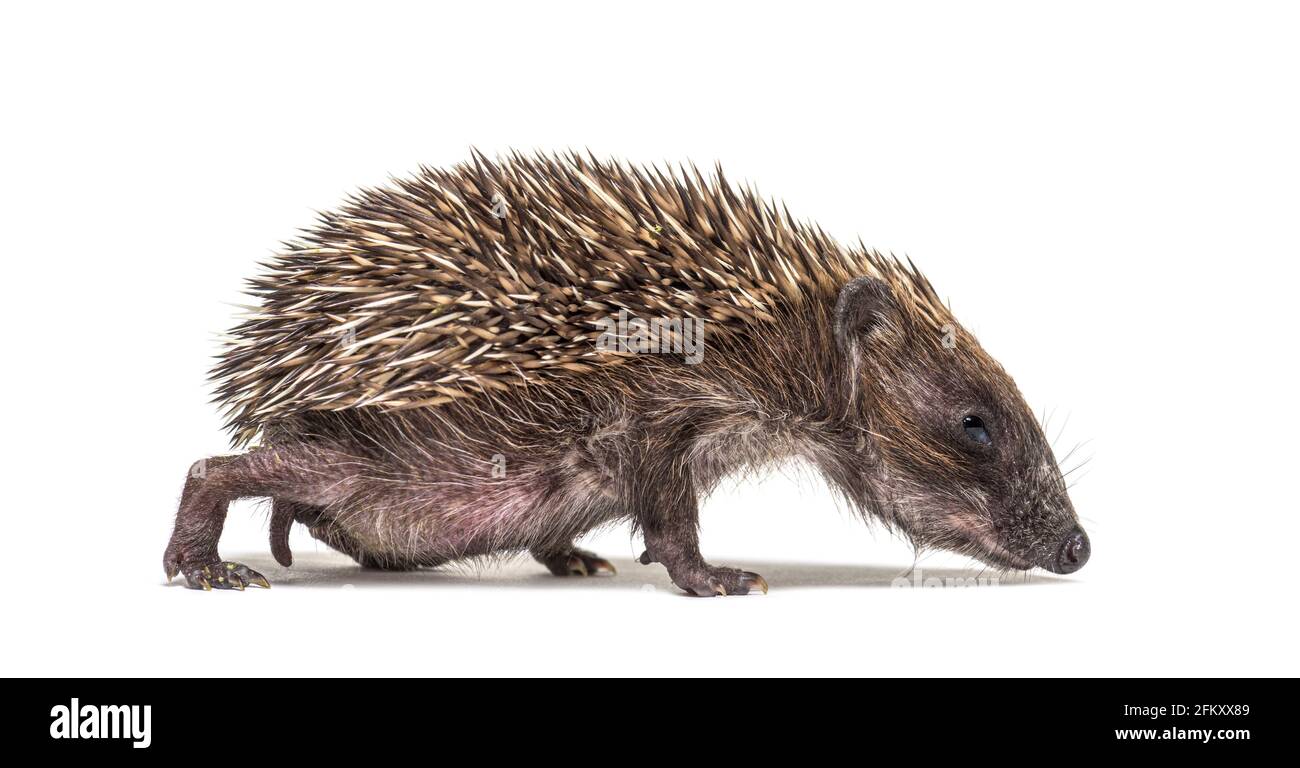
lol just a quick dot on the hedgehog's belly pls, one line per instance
(428, 523)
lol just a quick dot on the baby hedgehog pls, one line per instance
(504, 356)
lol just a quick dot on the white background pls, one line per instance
(1107, 194)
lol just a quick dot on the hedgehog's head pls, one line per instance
(962, 462)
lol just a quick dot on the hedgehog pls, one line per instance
(501, 357)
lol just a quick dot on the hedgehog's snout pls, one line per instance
(1072, 553)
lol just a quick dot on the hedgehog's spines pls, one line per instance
(429, 289)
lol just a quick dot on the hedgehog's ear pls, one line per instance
(864, 305)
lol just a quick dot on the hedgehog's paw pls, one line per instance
(705, 581)
(223, 575)
(708, 581)
(576, 562)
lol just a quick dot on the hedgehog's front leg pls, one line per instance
(572, 561)
(667, 512)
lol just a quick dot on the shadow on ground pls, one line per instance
(330, 570)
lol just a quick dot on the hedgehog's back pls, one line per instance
(476, 279)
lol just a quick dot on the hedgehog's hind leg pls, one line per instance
(572, 561)
(282, 473)
(284, 513)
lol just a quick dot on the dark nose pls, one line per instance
(1073, 553)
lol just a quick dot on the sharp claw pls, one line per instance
(576, 566)
(758, 581)
(719, 589)
(599, 565)
(226, 575)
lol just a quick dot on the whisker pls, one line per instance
(1081, 465)
(1065, 424)
(1076, 447)
(1048, 421)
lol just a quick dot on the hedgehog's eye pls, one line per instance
(975, 430)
